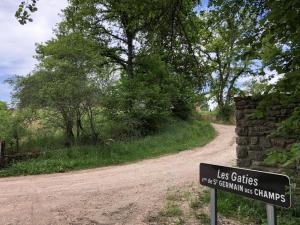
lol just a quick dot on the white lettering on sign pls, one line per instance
(269, 195)
(268, 187)
(233, 186)
(235, 177)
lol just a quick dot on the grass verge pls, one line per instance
(176, 137)
(190, 205)
(248, 211)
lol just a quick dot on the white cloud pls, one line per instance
(17, 42)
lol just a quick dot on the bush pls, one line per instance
(140, 104)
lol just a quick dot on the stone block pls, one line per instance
(274, 113)
(273, 118)
(257, 163)
(241, 152)
(278, 142)
(254, 148)
(242, 140)
(258, 131)
(239, 114)
(250, 106)
(256, 155)
(270, 125)
(276, 107)
(254, 140)
(244, 163)
(241, 123)
(241, 131)
(249, 111)
(257, 122)
(265, 142)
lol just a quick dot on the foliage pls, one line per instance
(14, 125)
(124, 28)
(173, 138)
(255, 87)
(144, 101)
(69, 81)
(113, 58)
(213, 117)
(288, 128)
(25, 9)
(225, 49)
(277, 45)
(127, 30)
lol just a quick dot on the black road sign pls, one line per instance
(267, 187)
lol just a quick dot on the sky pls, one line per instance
(17, 42)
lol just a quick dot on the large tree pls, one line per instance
(124, 28)
(225, 48)
(67, 80)
(130, 29)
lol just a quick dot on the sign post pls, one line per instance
(271, 188)
(271, 215)
(213, 206)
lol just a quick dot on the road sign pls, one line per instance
(271, 188)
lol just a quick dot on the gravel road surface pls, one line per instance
(115, 195)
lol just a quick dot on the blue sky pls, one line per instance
(17, 42)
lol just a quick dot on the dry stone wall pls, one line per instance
(254, 139)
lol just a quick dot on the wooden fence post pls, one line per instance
(2, 150)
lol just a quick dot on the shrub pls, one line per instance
(140, 104)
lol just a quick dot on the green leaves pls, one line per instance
(23, 14)
(225, 49)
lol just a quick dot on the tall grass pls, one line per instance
(175, 137)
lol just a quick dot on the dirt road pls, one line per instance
(108, 196)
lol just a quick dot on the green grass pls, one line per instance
(171, 209)
(249, 211)
(208, 113)
(175, 137)
(212, 116)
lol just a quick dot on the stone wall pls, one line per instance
(253, 135)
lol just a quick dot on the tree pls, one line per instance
(13, 125)
(123, 28)
(126, 30)
(66, 81)
(149, 101)
(279, 49)
(226, 51)
(255, 87)
(174, 40)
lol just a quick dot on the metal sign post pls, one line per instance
(273, 189)
(213, 207)
(271, 215)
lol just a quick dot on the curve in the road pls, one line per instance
(112, 195)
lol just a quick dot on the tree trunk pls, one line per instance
(130, 55)
(78, 125)
(69, 133)
(17, 143)
(2, 153)
(224, 111)
(92, 125)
